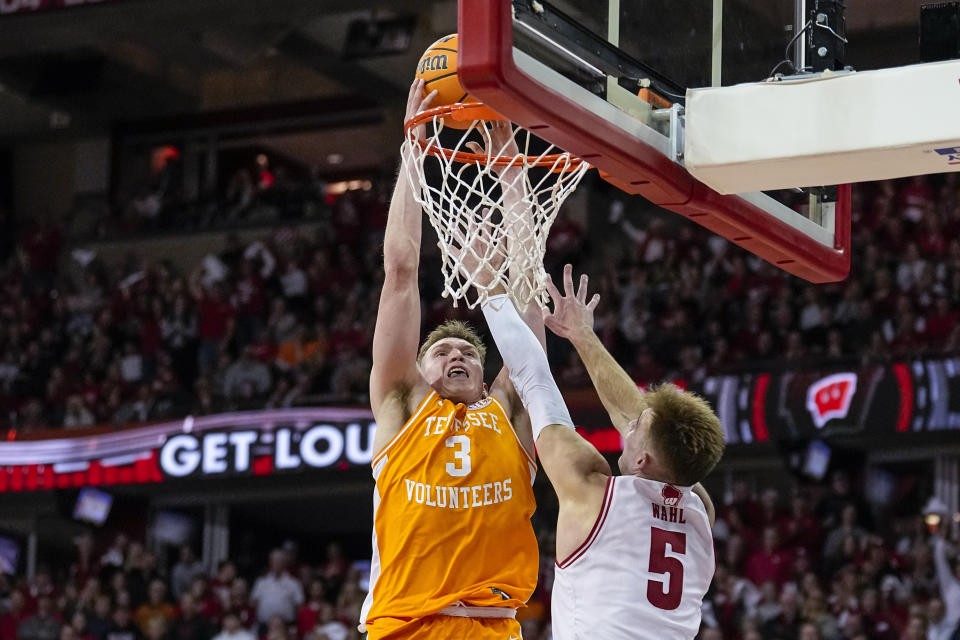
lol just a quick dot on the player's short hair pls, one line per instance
(453, 329)
(685, 432)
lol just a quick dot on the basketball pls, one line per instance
(438, 70)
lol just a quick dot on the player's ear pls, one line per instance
(485, 390)
(644, 461)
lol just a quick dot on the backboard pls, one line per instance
(571, 71)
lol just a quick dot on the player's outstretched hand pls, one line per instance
(476, 251)
(572, 315)
(417, 102)
(498, 142)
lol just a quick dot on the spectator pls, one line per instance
(916, 629)
(205, 602)
(233, 630)
(949, 581)
(939, 627)
(156, 607)
(328, 628)
(311, 610)
(809, 631)
(189, 624)
(156, 629)
(276, 629)
(846, 529)
(15, 614)
(240, 604)
(122, 627)
(221, 583)
(877, 624)
(115, 556)
(293, 282)
(42, 625)
(99, 620)
(769, 562)
(788, 623)
(246, 370)
(297, 350)
(215, 324)
(77, 414)
(184, 571)
(277, 593)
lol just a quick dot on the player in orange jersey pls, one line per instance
(454, 553)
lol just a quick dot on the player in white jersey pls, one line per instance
(635, 552)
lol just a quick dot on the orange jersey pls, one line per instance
(452, 508)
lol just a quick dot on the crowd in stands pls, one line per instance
(257, 193)
(814, 563)
(822, 565)
(287, 319)
(122, 594)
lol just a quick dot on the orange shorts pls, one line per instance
(439, 627)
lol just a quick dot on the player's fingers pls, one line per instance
(582, 291)
(414, 87)
(568, 280)
(594, 301)
(416, 93)
(475, 147)
(552, 290)
(425, 103)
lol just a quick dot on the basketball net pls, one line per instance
(492, 211)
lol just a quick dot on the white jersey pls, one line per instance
(643, 570)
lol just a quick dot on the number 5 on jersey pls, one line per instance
(461, 456)
(667, 594)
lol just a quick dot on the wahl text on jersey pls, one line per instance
(668, 514)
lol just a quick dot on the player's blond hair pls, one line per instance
(453, 329)
(685, 432)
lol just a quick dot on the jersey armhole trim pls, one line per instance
(413, 418)
(533, 460)
(597, 526)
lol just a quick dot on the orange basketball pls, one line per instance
(438, 69)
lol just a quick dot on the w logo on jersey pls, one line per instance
(671, 495)
(830, 397)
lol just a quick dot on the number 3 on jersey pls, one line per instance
(667, 594)
(461, 456)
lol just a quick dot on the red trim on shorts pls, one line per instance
(597, 525)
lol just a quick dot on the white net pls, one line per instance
(492, 210)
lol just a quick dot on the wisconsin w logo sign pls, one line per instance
(830, 397)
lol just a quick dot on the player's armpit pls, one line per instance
(572, 464)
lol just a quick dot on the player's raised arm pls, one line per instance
(570, 461)
(518, 223)
(572, 318)
(397, 332)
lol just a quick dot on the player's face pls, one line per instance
(452, 367)
(635, 443)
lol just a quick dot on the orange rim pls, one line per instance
(467, 112)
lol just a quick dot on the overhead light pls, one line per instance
(335, 158)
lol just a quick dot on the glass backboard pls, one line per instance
(571, 71)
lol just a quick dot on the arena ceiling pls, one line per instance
(77, 72)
